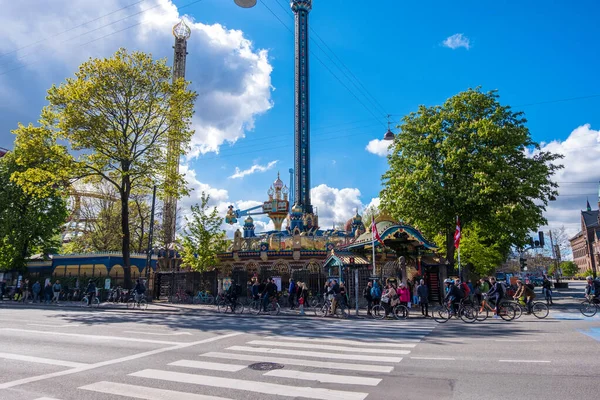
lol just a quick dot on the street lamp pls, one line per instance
(389, 135)
(245, 3)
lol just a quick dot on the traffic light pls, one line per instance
(531, 243)
(541, 236)
(523, 264)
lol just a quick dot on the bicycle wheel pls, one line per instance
(255, 307)
(143, 305)
(400, 312)
(84, 302)
(540, 310)
(323, 310)
(96, 302)
(314, 301)
(507, 312)
(131, 304)
(468, 314)
(378, 312)
(341, 311)
(482, 314)
(273, 309)
(222, 307)
(588, 309)
(441, 314)
(239, 307)
(518, 309)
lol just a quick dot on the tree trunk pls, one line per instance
(126, 234)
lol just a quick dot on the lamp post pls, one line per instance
(245, 3)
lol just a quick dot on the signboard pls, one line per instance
(107, 284)
(277, 280)
(226, 283)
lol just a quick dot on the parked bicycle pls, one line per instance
(181, 297)
(204, 297)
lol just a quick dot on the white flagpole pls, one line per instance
(373, 244)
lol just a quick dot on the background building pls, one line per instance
(586, 244)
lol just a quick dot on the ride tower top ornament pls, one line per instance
(182, 31)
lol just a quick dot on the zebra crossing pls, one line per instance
(343, 360)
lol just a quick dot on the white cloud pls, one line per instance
(379, 147)
(335, 205)
(578, 180)
(232, 79)
(255, 168)
(457, 40)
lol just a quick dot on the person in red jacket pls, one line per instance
(404, 294)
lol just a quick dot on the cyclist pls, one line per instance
(453, 295)
(139, 290)
(231, 295)
(496, 293)
(525, 291)
(270, 290)
(593, 289)
(90, 292)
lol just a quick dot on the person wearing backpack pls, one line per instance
(368, 297)
(496, 293)
(291, 293)
(376, 293)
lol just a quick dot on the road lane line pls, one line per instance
(158, 334)
(91, 337)
(54, 326)
(250, 386)
(515, 340)
(40, 360)
(301, 362)
(208, 365)
(324, 378)
(317, 354)
(132, 357)
(327, 347)
(433, 358)
(341, 341)
(525, 361)
(46, 398)
(144, 392)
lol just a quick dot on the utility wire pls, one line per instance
(105, 36)
(351, 77)
(70, 29)
(326, 67)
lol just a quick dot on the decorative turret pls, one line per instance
(277, 205)
(355, 226)
(249, 227)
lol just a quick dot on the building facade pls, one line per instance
(586, 244)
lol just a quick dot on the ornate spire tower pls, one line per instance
(182, 33)
(301, 8)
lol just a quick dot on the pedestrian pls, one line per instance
(292, 294)
(423, 294)
(48, 292)
(376, 293)
(25, 288)
(302, 296)
(404, 295)
(56, 288)
(415, 301)
(37, 288)
(367, 295)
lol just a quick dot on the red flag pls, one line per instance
(457, 234)
(375, 234)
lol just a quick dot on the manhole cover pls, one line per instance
(265, 366)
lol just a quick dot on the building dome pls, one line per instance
(278, 184)
(296, 209)
(249, 220)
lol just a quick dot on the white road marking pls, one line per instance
(514, 340)
(40, 360)
(55, 326)
(433, 358)
(251, 386)
(342, 341)
(525, 361)
(327, 347)
(303, 363)
(158, 333)
(144, 392)
(132, 357)
(46, 398)
(90, 337)
(324, 378)
(208, 365)
(336, 334)
(317, 354)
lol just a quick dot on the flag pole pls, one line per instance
(373, 244)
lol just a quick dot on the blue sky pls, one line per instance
(534, 53)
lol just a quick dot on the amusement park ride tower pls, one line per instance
(301, 215)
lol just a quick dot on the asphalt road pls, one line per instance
(68, 354)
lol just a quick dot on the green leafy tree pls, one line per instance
(204, 237)
(28, 224)
(474, 158)
(117, 116)
(569, 268)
